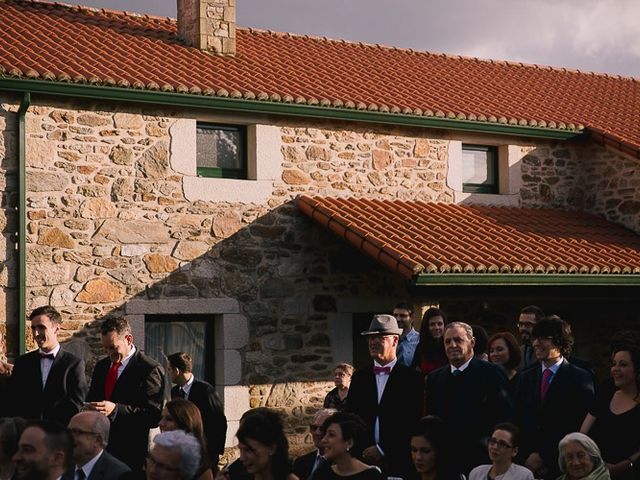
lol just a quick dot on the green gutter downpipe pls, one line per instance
(22, 221)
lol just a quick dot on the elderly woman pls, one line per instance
(580, 459)
(337, 398)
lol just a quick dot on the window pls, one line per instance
(479, 169)
(167, 334)
(221, 151)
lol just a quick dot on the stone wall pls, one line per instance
(109, 225)
(583, 175)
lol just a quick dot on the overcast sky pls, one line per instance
(589, 35)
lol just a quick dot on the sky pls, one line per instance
(589, 35)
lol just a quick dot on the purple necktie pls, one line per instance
(546, 381)
(381, 370)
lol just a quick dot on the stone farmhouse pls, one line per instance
(253, 197)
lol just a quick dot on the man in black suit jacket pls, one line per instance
(305, 465)
(127, 387)
(47, 383)
(388, 397)
(469, 394)
(552, 398)
(529, 316)
(90, 432)
(204, 396)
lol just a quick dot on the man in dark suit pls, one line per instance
(47, 383)
(552, 398)
(529, 316)
(305, 465)
(388, 397)
(90, 432)
(204, 396)
(126, 387)
(44, 451)
(469, 394)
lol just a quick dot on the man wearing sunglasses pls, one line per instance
(306, 465)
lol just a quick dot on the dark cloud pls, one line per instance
(592, 35)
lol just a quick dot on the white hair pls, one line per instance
(585, 442)
(187, 446)
(465, 326)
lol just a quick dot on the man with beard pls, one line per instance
(44, 451)
(529, 316)
(469, 394)
(387, 396)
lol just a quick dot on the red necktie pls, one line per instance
(112, 378)
(546, 380)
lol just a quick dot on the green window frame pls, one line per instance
(221, 150)
(487, 156)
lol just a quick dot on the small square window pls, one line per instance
(221, 151)
(479, 169)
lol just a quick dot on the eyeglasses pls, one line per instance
(77, 431)
(543, 339)
(526, 324)
(159, 465)
(494, 442)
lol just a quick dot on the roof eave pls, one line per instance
(489, 279)
(100, 92)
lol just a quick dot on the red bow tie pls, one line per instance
(381, 370)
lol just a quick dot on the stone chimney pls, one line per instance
(209, 25)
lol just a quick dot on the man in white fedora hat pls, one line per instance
(388, 397)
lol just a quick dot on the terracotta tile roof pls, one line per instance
(415, 238)
(56, 42)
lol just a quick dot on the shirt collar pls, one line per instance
(462, 367)
(53, 352)
(391, 364)
(554, 368)
(88, 467)
(409, 334)
(125, 360)
(186, 388)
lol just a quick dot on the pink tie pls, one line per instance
(546, 381)
(381, 370)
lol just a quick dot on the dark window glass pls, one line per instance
(167, 334)
(220, 151)
(479, 169)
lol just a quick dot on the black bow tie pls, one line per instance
(47, 355)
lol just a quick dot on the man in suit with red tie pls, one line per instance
(127, 387)
(388, 397)
(204, 396)
(48, 383)
(552, 398)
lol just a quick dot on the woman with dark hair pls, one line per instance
(264, 449)
(343, 444)
(10, 430)
(430, 450)
(614, 421)
(430, 353)
(181, 414)
(504, 351)
(502, 447)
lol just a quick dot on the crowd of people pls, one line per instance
(445, 403)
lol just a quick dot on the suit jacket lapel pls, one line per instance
(556, 380)
(52, 379)
(122, 379)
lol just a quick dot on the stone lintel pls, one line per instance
(182, 306)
